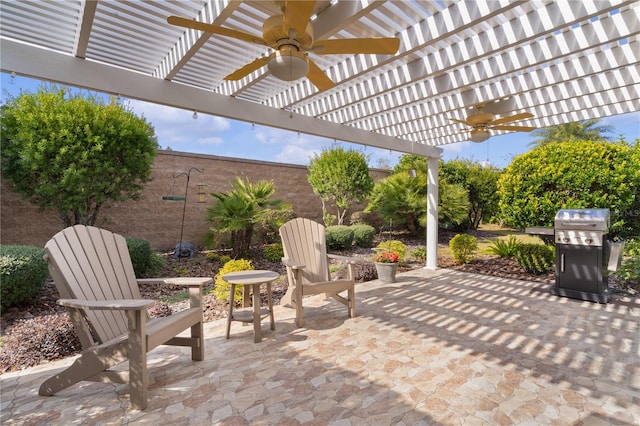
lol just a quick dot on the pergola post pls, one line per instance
(432, 213)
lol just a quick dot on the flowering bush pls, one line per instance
(387, 257)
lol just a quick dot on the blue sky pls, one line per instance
(178, 130)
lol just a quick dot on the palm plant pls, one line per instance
(238, 210)
(569, 132)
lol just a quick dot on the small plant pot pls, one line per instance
(386, 271)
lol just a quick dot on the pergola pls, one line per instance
(559, 60)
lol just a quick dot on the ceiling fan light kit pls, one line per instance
(288, 64)
(479, 135)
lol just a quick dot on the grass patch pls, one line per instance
(174, 298)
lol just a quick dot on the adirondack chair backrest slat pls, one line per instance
(93, 264)
(71, 272)
(303, 241)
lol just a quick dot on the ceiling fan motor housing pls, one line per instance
(274, 34)
(480, 118)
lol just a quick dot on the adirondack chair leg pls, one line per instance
(138, 377)
(287, 299)
(298, 300)
(351, 294)
(197, 330)
(91, 363)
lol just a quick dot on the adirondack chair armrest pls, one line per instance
(109, 305)
(181, 281)
(346, 259)
(291, 264)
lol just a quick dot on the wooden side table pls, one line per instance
(251, 280)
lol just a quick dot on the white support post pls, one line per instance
(432, 213)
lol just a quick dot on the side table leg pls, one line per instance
(257, 334)
(270, 301)
(245, 298)
(231, 301)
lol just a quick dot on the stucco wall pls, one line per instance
(157, 220)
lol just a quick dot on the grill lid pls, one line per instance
(582, 219)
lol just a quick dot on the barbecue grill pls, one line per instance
(582, 254)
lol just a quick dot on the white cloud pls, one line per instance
(293, 154)
(177, 129)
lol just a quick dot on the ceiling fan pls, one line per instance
(291, 37)
(481, 122)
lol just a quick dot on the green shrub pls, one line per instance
(504, 248)
(363, 235)
(339, 237)
(274, 252)
(222, 287)
(419, 254)
(225, 258)
(632, 247)
(269, 222)
(393, 245)
(23, 273)
(213, 256)
(629, 270)
(146, 261)
(464, 248)
(535, 258)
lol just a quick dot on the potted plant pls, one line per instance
(387, 266)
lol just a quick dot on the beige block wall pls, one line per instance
(157, 220)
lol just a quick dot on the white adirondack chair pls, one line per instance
(306, 259)
(94, 275)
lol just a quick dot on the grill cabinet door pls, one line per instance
(579, 268)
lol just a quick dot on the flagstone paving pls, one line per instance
(435, 348)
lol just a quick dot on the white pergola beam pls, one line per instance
(49, 66)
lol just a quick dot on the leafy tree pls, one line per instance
(582, 174)
(238, 210)
(74, 154)
(403, 199)
(481, 184)
(342, 176)
(570, 132)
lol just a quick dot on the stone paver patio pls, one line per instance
(436, 347)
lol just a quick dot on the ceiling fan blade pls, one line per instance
(296, 16)
(249, 68)
(374, 45)
(514, 128)
(318, 77)
(460, 121)
(209, 28)
(511, 118)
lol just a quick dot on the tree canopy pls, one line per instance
(342, 176)
(571, 132)
(481, 183)
(76, 154)
(583, 174)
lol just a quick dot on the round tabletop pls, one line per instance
(257, 276)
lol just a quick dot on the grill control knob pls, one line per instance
(588, 241)
(566, 239)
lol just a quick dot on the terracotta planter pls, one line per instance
(386, 271)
